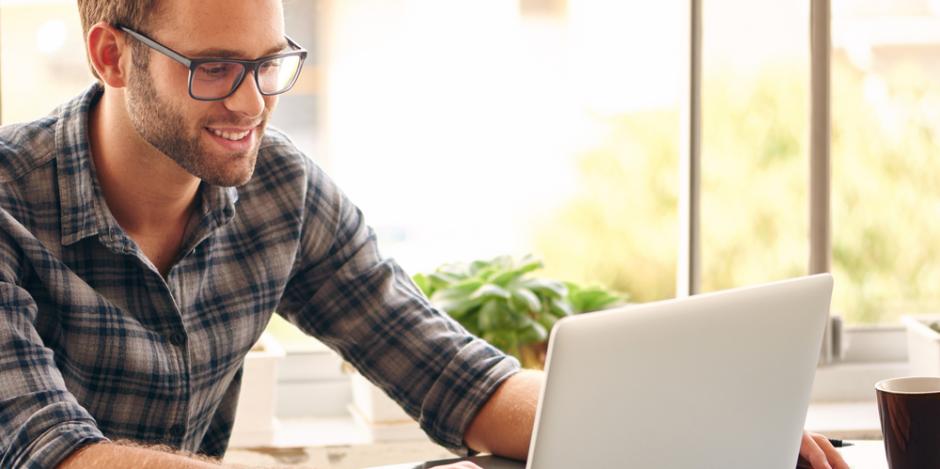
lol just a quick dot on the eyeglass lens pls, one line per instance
(213, 80)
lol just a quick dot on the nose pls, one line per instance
(247, 99)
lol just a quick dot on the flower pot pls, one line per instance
(923, 345)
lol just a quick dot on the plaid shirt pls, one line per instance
(95, 344)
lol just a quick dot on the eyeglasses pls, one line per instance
(215, 79)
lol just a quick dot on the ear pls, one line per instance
(109, 54)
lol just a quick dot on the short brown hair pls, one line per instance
(134, 14)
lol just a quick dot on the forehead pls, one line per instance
(250, 27)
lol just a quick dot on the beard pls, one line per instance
(164, 127)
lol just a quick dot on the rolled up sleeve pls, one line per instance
(462, 388)
(53, 445)
(41, 421)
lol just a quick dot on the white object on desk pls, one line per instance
(865, 455)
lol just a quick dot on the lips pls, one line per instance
(230, 134)
(234, 138)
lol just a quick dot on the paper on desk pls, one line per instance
(865, 455)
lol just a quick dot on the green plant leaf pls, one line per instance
(456, 300)
(532, 333)
(560, 308)
(423, 283)
(490, 316)
(488, 290)
(547, 320)
(593, 299)
(504, 340)
(525, 300)
(467, 286)
(545, 288)
(478, 266)
(505, 278)
(440, 279)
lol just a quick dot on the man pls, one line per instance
(148, 229)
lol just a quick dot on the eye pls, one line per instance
(215, 70)
(270, 66)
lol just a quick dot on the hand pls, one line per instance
(817, 450)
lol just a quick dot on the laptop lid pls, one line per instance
(718, 380)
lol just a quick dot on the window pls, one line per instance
(755, 108)
(471, 129)
(885, 141)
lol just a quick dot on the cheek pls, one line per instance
(170, 78)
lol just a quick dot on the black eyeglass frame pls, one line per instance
(247, 65)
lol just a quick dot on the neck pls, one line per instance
(146, 191)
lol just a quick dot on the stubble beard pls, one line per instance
(164, 127)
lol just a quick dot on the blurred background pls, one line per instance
(472, 129)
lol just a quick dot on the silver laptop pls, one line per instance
(719, 380)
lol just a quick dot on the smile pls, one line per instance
(229, 135)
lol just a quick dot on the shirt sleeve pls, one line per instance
(40, 421)
(365, 307)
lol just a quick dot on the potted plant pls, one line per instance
(498, 301)
(923, 344)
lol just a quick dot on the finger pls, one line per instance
(832, 454)
(811, 451)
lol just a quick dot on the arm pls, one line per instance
(365, 307)
(119, 455)
(42, 424)
(505, 424)
(40, 420)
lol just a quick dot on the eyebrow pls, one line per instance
(234, 54)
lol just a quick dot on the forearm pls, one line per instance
(505, 424)
(118, 455)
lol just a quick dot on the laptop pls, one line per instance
(719, 380)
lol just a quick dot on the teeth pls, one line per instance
(234, 136)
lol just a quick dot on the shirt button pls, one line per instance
(177, 338)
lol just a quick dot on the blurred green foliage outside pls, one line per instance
(620, 229)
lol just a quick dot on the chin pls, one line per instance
(229, 179)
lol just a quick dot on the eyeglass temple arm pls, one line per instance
(156, 45)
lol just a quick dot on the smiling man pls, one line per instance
(150, 226)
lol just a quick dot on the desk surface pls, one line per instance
(863, 455)
(866, 455)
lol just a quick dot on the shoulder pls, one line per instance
(281, 165)
(287, 179)
(26, 146)
(278, 153)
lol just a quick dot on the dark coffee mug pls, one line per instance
(910, 421)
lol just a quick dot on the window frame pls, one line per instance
(689, 268)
